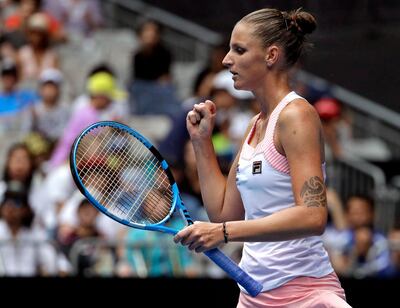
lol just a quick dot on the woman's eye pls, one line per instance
(240, 50)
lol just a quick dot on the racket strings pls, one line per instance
(154, 162)
(132, 199)
(93, 164)
(124, 176)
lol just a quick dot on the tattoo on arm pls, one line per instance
(313, 192)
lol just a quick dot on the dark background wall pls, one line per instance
(357, 42)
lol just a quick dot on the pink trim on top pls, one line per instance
(276, 159)
(252, 131)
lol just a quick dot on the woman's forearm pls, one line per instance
(212, 181)
(295, 222)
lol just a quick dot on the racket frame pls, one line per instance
(176, 201)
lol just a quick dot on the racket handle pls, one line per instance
(234, 271)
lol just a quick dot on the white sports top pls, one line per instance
(263, 180)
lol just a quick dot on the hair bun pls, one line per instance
(301, 22)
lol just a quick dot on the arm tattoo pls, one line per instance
(313, 192)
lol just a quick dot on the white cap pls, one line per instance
(51, 75)
(38, 21)
(223, 80)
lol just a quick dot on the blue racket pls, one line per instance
(124, 176)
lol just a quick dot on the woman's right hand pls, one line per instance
(200, 121)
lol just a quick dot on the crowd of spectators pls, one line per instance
(48, 228)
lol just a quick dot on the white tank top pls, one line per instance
(263, 180)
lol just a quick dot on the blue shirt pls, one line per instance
(161, 256)
(11, 103)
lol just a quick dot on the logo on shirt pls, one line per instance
(257, 167)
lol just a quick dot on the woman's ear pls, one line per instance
(271, 55)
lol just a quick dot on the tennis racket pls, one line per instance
(124, 176)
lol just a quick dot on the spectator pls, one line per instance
(79, 17)
(360, 250)
(24, 250)
(368, 255)
(204, 79)
(68, 217)
(102, 90)
(153, 60)
(147, 254)
(15, 103)
(151, 90)
(339, 138)
(330, 113)
(190, 185)
(38, 54)
(334, 234)
(226, 139)
(18, 170)
(394, 242)
(119, 108)
(85, 229)
(15, 24)
(50, 116)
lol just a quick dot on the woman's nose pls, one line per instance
(227, 62)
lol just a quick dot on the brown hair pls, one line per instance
(285, 28)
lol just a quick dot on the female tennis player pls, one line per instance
(274, 197)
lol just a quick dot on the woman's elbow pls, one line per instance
(319, 223)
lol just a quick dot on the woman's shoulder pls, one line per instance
(297, 111)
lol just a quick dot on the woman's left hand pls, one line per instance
(201, 236)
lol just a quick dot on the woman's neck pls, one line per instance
(272, 91)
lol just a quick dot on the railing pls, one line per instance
(188, 41)
(29, 258)
(369, 119)
(358, 177)
(134, 259)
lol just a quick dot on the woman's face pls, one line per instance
(246, 58)
(19, 165)
(12, 212)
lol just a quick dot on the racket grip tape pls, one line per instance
(234, 271)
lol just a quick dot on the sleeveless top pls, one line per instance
(264, 182)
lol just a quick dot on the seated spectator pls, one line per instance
(340, 143)
(394, 242)
(18, 169)
(15, 103)
(205, 77)
(360, 251)
(337, 222)
(38, 54)
(85, 229)
(118, 109)
(79, 17)
(190, 185)
(67, 218)
(50, 116)
(151, 90)
(15, 23)
(7, 48)
(172, 147)
(25, 250)
(367, 255)
(147, 254)
(102, 90)
(330, 112)
(153, 60)
(227, 99)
